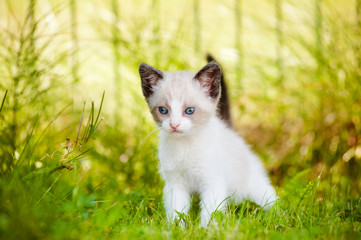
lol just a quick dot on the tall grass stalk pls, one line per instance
(3, 101)
(279, 34)
(197, 27)
(157, 44)
(116, 40)
(238, 42)
(77, 148)
(29, 78)
(116, 45)
(358, 32)
(32, 24)
(318, 35)
(74, 40)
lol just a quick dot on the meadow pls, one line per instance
(78, 146)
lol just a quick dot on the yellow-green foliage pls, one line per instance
(293, 71)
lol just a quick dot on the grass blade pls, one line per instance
(2, 104)
(100, 108)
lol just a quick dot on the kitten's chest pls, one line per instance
(179, 155)
(189, 159)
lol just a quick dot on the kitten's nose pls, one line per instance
(174, 126)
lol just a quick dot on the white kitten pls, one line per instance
(199, 152)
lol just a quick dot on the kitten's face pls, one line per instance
(181, 102)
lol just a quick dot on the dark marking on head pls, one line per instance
(156, 115)
(209, 77)
(223, 111)
(150, 76)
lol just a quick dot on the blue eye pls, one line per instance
(163, 110)
(189, 110)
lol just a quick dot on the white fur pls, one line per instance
(215, 163)
(204, 156)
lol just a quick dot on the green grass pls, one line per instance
(74, 171)
(62, 207)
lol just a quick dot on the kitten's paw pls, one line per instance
(270, 202)
(205, 218)
(181, 219)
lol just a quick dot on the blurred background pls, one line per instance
(292, 67)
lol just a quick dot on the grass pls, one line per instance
(64, 208)
(2, 103)
(68, 173)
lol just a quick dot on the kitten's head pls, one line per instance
(181, 102)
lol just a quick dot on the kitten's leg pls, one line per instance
(176, 199)
(213, 199)
(263, 194)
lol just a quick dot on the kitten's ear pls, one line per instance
(210, 77)
(150, 76)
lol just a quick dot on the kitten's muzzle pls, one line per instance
(174, 125)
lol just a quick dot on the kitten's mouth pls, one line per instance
(176, 131)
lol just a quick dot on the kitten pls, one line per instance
(198, 151)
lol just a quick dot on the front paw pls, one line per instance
(205, 219)
(181, 219)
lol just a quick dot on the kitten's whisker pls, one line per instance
(146, 137)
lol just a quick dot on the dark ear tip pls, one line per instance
(210, 58)
(142, 65)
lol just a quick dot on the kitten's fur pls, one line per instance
(200, 153)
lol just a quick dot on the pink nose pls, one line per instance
(174, 126)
